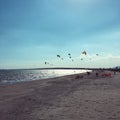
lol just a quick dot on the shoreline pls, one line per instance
(51, 75)
(87, 97)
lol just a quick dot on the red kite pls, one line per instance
(84, 52)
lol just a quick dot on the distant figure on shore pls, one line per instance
(77, 76)
(88, 73)
(107, 75)
(96, 74)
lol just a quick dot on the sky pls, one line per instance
(33, 32)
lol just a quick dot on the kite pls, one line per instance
(58, 56)
(84, 52)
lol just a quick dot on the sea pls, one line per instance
(23, 75)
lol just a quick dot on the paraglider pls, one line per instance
(46, 63)
(81, 58)
(58, 56)
(84, 52)
(69, 55)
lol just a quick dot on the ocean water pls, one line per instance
(14, 76)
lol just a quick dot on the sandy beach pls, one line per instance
(72, 97)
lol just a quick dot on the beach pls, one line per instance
(71, 97)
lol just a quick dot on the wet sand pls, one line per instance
(72, 97)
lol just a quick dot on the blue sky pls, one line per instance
(35, 31)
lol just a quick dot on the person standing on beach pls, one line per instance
(96, 74)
